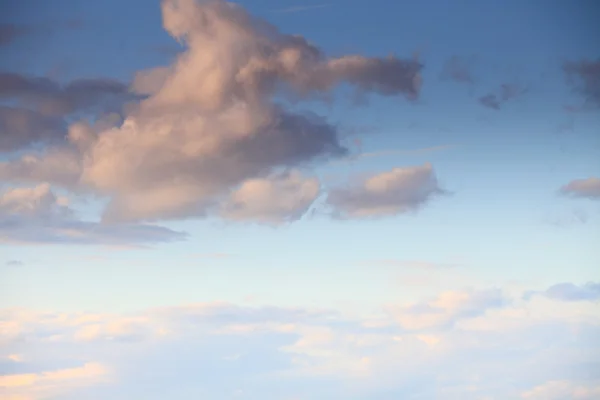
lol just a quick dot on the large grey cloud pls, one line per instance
(42, 107)
(393, 192)
(210, 125)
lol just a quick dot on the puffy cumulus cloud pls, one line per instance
(448, 309)
(388, 193)
(217, 350)
(556, 390)
(37, 215)
(208, 129)
(585, 188)
(570, 292)
(584, 76)
(273, 200)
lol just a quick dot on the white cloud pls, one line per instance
(558, 390)
(213, 349)
(448, 309)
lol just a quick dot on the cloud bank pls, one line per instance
(220, 350)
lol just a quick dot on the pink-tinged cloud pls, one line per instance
(217, 349)
(397, 191)
(584, 188)
(208, 128)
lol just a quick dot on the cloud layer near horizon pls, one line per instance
(428, 349)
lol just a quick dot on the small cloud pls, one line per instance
(571, 218)
(506, 92)
(211, 255)
(14, 263)
(584, 77)
(583, 188)
(272, 201)
(15, 357)
(569, 292)
(397, 152)
(411, 264)
(296, 9)
(458, 69)
(397, 191)
(563, 389)
(447, 309)
(490, 101)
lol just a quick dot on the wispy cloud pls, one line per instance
(410, 264)
(295, 9)
(394, 152)
(178, 349)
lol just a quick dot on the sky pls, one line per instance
(296, 200)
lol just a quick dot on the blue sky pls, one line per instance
(483, 177)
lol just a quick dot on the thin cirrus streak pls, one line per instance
(295, 9)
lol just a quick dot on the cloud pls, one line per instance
(20, 127)
(458, 69)
(584, 76)
(273, 200)
(385, 153)
(52, 98)
(218, 349)
(14, 263)
(507, 92)
(585, 188)
(42, 107)
(411, 264)
(296, 9)
(563, 389)
(446, 310)
(11, 32)
(210, 127)
(570, 292)
(490, 101)
(34, 215)
(393, 192)
(51, 383)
